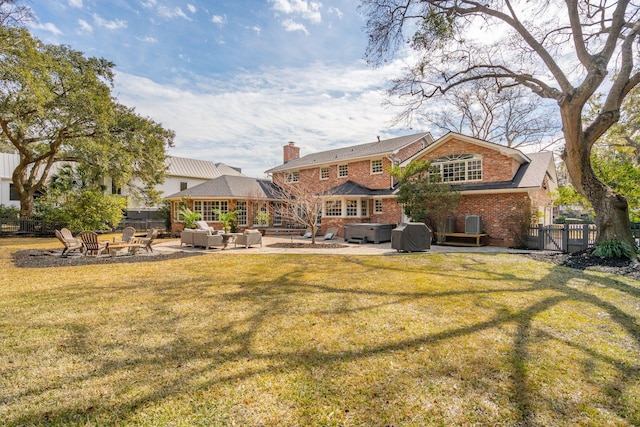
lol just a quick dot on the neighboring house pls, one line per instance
(493, 179)
(8, 195)
(181, 174)
(227, 193)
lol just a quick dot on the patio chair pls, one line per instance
(91, 244)
(248, 238)
(69, 242)
(128, 233)
(147, 241)
(203, 225)
(331, 233)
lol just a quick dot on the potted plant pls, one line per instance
(189, 217)
(228, 219)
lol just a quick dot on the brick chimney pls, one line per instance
(291, 152)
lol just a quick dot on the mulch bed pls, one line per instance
(585, 260)
(293, 245)
(38, 258)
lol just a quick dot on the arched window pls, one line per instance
(459, 167)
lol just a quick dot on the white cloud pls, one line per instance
(148, 39)
(191, 8)
(244, 121)
(302, 8)
(148, 4)
(219, 20)
(49, 27)
(85, 27)
(257, 30)
(75, 3)
(110, 25)
(170, 13)
(290, 25)
(335, 11)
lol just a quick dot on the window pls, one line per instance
(292, 177)
(343, 171)
(260, 207)
(241, 213)
(324, 173)
(277, 213)
(333, 208)
(377, 206)
(352, 207)
(115, 189)
(183, 186)
(208, 209)
(376, 166)
(459, 167)
(364, 208)
(13, 193)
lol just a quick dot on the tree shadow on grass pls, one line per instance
(235, 342)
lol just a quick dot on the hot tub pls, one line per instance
(372, 232)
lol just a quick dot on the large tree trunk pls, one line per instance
(611, 209)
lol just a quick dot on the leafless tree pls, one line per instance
(510, 116)
(14, 14)
(299, 204)
(561, 50)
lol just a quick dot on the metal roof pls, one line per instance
(378, 148)
(194, 168)
(229, 186)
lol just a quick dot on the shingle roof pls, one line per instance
(229, 186)
(383, 147)
(194, 168)
(351, 188)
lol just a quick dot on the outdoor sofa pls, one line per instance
(201, 238)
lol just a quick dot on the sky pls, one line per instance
(236, 80)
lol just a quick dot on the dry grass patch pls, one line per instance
(425, 339)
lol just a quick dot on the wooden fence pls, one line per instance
(38, 227)
(567, 238)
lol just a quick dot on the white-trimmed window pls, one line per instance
(259, 207)
(324, 173)
(292, 177)
(351, 207)
(343, 171)
(364, 207)
(333, 208)
(241, 213)
(377, 206)
(459, 167)
(207, 209)
(376, 166)
(277, 213)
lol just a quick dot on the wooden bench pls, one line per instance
(476, 239)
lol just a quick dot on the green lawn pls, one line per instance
(294, 340)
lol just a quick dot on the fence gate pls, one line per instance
(552, 237)
(561, 237)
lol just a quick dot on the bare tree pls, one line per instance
(560, 50)
(13, 14)
(510, 116)
(300, 205)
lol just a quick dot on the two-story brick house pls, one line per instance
(493, 180)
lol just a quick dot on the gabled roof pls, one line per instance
(229, 186)
(503, 149)
(529, 176)
(353, 152)
(194, 168)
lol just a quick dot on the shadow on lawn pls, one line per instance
(234, 342)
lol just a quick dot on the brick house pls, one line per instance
(494, 180)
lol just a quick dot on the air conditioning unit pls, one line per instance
(473, 224)
(450, 225)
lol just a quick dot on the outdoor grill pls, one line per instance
(411, 237)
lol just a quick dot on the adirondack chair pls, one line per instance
(91, 243)
(69, 242)
(147, 241)
(128, 233)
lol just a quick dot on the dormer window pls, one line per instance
(292, 177)
(459, 167)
